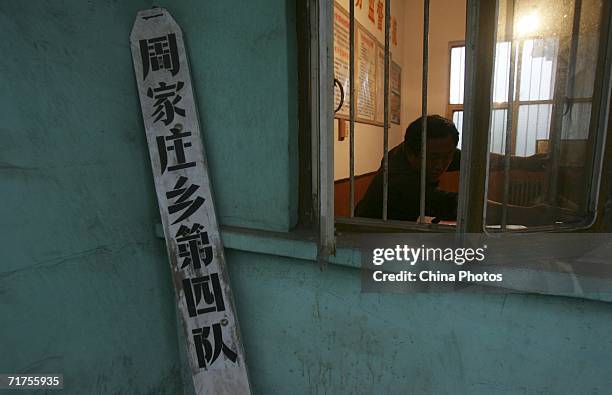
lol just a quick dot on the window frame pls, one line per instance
(451, 108)
(480, 35)
(357, 224)
(598, 125)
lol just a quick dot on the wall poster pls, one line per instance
(365, 74)
(342, 60)
(369, 73)
(380, 84)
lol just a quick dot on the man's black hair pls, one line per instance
(437, 128)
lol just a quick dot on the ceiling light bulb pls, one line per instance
(527, 24)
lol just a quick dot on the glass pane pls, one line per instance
(457, 75)
(458, 121)
(576, 121)
(500, 75)
(533, 125)
(537, 68)
(549, 177)
(501, 72)
(498, 131)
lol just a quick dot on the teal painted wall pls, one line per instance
(244, 62)
(84, 282)
(84, 286)
(313, 332)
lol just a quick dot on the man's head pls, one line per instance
(442, 139)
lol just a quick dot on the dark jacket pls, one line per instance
(404, 184)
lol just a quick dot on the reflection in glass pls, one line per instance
(547, 178)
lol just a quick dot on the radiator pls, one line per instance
(525, 192)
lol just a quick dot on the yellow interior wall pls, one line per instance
(447, 24)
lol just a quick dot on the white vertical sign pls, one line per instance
(184, 196)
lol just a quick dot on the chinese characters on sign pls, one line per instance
(206, 353)
(164, 108)
(194, 246)
(186, 207)
(183, 199)
(159, 53)
(201, 286)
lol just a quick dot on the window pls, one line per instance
(531, 110)
(456, 88)
(545, 115)
(546, 127)
(536, 74)
(364, 147)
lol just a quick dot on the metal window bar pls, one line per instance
(480, 65)
(510, 112)
(352, 109)
(601, 106)
(564, 65)
(424, 110)
(386, 112)
(420, 224)
(599, 115)
(313, 57)
(531, 73)
(573, 50)
(323, 95)
(515, 105)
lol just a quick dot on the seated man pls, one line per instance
(404, 175)
(404, 183)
